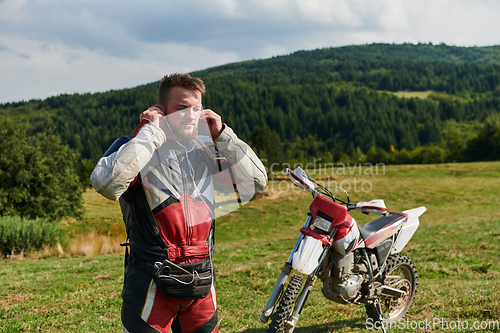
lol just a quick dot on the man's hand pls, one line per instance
(153, 114)
(214, 122)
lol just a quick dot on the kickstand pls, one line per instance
(378, 308)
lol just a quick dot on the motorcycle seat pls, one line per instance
(378, 230)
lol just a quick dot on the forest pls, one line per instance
(352, 103)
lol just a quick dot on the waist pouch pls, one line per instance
(175, 282)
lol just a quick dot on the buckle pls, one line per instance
(165, 267)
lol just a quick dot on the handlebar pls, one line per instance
(351, 207)
(301, 179)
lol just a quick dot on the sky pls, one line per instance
(50, 47)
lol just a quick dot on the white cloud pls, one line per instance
(52, 46)
(53, 68)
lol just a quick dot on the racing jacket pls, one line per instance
(166, 188)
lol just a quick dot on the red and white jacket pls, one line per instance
(166, 188)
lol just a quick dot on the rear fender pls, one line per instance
(408, 229)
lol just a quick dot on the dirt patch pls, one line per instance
(261, 195)
(492, 274)
(14, 298)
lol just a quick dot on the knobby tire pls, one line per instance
(395, 309)
(285, 306)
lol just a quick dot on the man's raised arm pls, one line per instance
(116, 170)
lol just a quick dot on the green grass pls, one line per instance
(72, 294)
(456, 250)
(101, 215)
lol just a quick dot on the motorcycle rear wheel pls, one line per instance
(401, 273)
(285, 306)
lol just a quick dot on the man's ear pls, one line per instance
(160, 107)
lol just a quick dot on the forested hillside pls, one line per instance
(335, 103)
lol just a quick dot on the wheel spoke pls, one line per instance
(400, 273)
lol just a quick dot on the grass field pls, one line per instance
(456, 250)
(413, 94)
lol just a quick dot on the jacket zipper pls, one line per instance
(186, 212)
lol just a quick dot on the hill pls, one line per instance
(336, 103)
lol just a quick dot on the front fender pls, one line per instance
(307, 256)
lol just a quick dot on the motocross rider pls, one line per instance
(164, 177)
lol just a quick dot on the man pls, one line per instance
(164, 176)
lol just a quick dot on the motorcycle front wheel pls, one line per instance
(400, 273)
(285, 306)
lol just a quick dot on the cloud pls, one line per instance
(225, 24)
(246, 28)
(76, 24)
(462, 23)
(90, 45)
(54, 68)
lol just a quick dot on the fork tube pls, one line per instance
(301, 300)
(278, 288)
(276, 292)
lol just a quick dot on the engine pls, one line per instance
(342, 276)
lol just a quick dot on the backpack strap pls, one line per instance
(126, 244)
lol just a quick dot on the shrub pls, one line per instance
(37, 175)
(18, 234)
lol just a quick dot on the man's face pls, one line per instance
(181, 115)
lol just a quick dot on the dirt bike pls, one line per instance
(356, 264)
